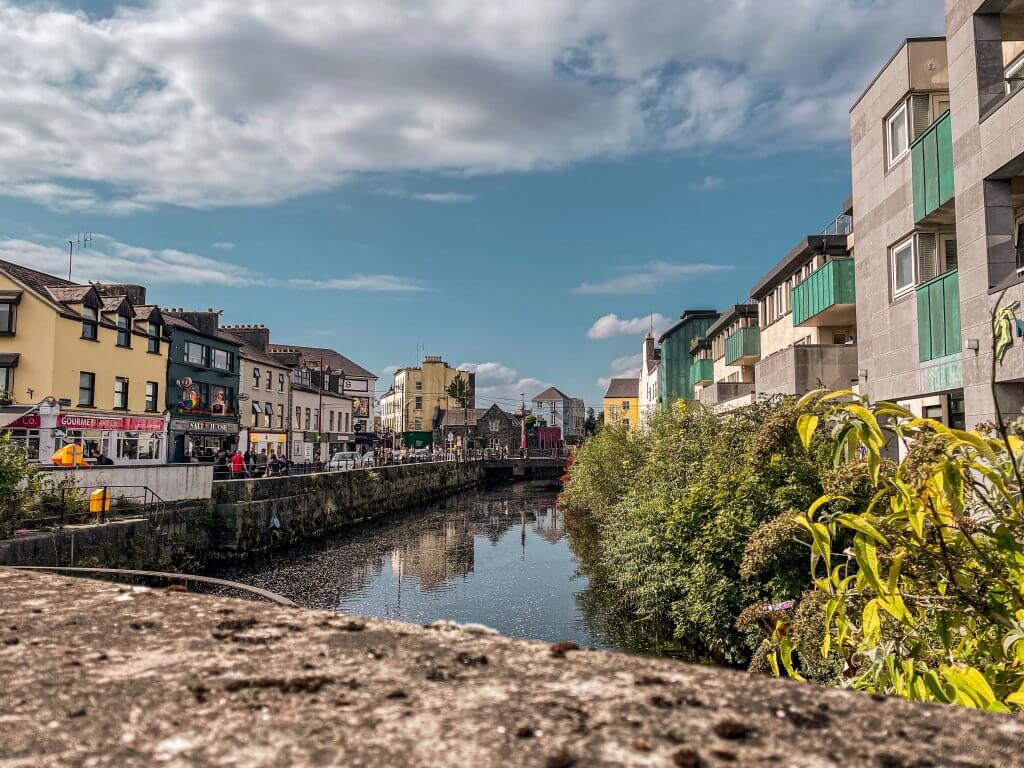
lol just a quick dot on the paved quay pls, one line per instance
(99, 674)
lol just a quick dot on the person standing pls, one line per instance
(237, 465)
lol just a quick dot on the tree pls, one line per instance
(19, 483)
(590, 425)
(458, 390)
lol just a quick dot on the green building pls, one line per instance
(675, 373)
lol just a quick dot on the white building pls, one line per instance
(650, 389)
(559, 410)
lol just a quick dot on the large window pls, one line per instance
(120, 394)
(903, 269)
(124, 331)
(87, 388)
(196, 354)
(8, 312)
(7, 381)
(223, 360)
(90, 323)
(153, 338)
(139, 446)
(27, 440)
(221, 402)
(152, 393)
(897, 135)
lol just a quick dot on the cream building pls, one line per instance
(412, 407)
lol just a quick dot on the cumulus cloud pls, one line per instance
(502, 384)
(438, 198)
(708, 184)
(218, 102)
(647, 278)
(611, 325)
(109, 260)
(628, 363)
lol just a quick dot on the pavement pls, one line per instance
(97, 674)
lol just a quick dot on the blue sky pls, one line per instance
(486, 182)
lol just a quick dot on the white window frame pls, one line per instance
(940, 244)
(903, 109)
(898, 291)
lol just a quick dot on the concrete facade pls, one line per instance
(169, 482)
(733, 384)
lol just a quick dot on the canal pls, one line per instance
(504, 557)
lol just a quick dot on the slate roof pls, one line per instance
(458, 417)
(34, 279)
(249, 352)
(623, 388)
(551, 393)
(332, 360)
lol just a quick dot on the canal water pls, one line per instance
(503, 557)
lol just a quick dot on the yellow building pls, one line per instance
(81, 364)
(413, 405)
(622, 403)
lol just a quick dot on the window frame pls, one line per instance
(91, 322)
(124, 332)
(1018, 242)
(12, 317)
(155, 399)
(899, 291)
(153, 338)
(893, 161)
(1015, 69)
(255, 378)
(91, 389)
(204, 353)
(8, 374)
(280, 382)
(117, 381)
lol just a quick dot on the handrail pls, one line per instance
(266, 594)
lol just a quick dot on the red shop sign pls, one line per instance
(126, 423)
(28, 421)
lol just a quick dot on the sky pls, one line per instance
(523, 188)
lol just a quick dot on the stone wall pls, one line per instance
(170, 482)
(256, 515)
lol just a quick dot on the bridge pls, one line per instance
(529, 468)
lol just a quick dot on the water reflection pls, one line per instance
(500, 557)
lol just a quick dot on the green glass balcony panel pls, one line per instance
(932, 158)
(743, 347)
(938, 317)
(702, 371)
(830, 287)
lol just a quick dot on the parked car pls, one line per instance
(346, 460)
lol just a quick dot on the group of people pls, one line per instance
(237, 465)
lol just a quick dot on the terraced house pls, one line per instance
(81, 364)
(733, 345)
(676, 368)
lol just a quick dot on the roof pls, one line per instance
(905, 42)
(174, 321)
(67, 293)
(460, 417)
(34, 279)
(734, 312)
(551, 393)
(688, 316)
(623, 388)
(806, 248)
(249, 352)
(55, 291)
(332, 359)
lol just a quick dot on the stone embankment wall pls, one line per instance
(106, 675)
(170, 482)
(256, 515)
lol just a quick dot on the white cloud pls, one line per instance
(647, 278)
(438, 198)
(109, 260)
(502, 384)
(223, 245)
(611, 325)
(628, 363)
(219, 102)
(708, 184)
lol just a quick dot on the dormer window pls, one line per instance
(153, 337)
(90, 323)
(124, 331)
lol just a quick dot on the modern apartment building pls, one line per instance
(675, 369)
(807, 316)
(81, 364)
(621, 403)
(734, 347)
(412, 407)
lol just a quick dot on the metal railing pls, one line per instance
(842, 225)
(71, 506)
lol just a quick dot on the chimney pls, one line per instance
(136, 293)
(257, 336)
(207, 322)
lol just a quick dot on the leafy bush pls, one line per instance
(928, 603)
(19, 482)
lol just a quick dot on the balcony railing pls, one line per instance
(932, 158)
(832, 285)
(702, 372)
(938, 317)
(743, 347)
(843, 225)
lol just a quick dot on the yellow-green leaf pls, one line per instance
(805, 426)
(871, 623)
(860, 523)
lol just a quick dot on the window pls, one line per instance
(419, 386)
(221, 400)
(139, 446)
(347, 425)
(331, 421)
(256, 411)
(153, 338)
(280, 382)
(152, 391)
(1015, 76)
(280, 416)
(255, 378)
(625, 405)
(8, 310)
(87, 388)
(90, 323)
(270, 380)
(903, 269)
(1019, 244)
(316, 419)
(898, 135)
(120, 394)
(268, 415)
(307, 420)
(7, 381)
(196, 354)
(223, 360)
(419, 403)
(28, 441)
(124, 331)
(298, 418)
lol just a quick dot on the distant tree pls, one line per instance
(531, 422)
(458, 390)
(590, 425)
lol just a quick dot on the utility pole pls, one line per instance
(522, 427)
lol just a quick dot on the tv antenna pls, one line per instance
(84, 240)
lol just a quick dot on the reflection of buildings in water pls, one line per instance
(436, 556)
(550, 524)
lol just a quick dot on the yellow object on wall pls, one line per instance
(69, 456)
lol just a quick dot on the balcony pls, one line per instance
(723, 396)
(702, 372)
(804, 367)
(938, 317)
(932, 157)
(743, 347)
(827, 297)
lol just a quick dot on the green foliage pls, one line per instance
(458, 390)
(696, 519)
(19, 482)
(928, 603)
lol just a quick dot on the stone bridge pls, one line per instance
(97, 674)
(532, 468)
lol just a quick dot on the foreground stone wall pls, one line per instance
(170, 482)
(97, 674)
(256, 515)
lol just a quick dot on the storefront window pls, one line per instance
(136, 446)
(28, 441)
(90, 440)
